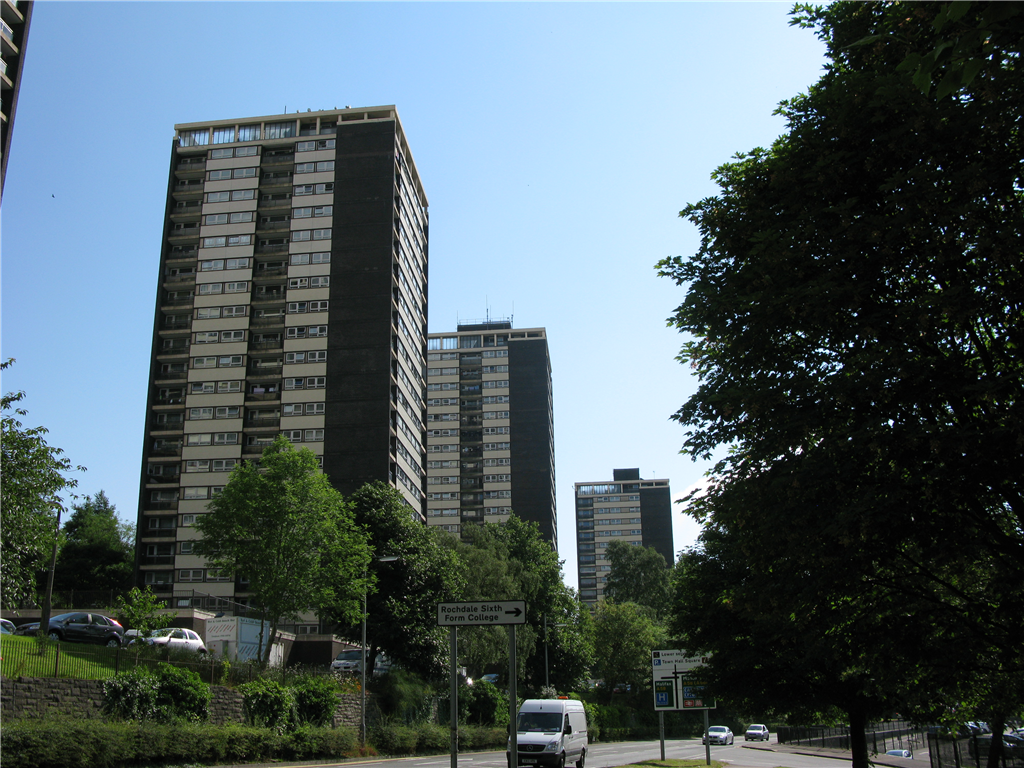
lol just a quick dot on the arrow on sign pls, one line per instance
(517, 612)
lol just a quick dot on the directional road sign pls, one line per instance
(482, 613)
(678, 682)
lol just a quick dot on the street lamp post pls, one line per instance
(362, 662)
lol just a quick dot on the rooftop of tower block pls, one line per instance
(239, 130)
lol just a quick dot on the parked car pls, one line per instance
(718, 734)
(174, 638)
(1013, 746)
(756, 732)
(352, 661)
(490, 677)
(80, 628)
(900, 753)
(7, 626)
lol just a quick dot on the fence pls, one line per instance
(30, 657)
(881, 737)
(972, 752)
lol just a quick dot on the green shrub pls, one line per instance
(431, 737)
(316, 700)
(307, 742)
(393, 739)
(593, 721)
(183, 693)
(131, 695)
(482, 737)
(267, 704)
(403, 695)
(487, 705)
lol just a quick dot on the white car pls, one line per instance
(176, 638)
(352, 661)
(718, 734)
(348, 661)
(756, 732)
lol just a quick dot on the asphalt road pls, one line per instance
(739, 755)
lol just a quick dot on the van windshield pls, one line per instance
(539, 721)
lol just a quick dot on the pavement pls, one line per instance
(839, 754)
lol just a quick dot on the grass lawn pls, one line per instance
(22, 656)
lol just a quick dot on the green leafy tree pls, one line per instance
(33, 477)
(639, 575)
(624, 636)
(401, 614)
(855, 314)
(98, 551)
(140, 609)
(511, 561)
(284, 527)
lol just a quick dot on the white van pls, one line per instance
(550, 732)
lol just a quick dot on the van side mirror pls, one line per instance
(567, 730)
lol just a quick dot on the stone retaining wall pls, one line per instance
(41, 697)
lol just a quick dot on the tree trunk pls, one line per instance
(858, 736)
(270, 643)
(995, 752)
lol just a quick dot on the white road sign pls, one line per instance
(482, 613)
(678, 683)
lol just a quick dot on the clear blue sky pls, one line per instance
(556, 143)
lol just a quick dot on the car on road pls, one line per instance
(80, 628)
(718, 734)
(174, 638)
(899, 753)
(756, 732)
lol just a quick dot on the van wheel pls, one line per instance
(582, 760)
(561, 760)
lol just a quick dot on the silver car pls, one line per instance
(718, 734)
(177, 639)
(756, 732)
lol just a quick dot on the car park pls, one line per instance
(79, 628)
(718, 734)
(756, 732)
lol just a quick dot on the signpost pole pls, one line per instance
(453, 638)
(484, 613)
(707, 740)
(512, 699)
(661, 729)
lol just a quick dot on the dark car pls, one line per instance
(80, 628)
(1013, 746)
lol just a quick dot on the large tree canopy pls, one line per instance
(639, 575)
(284, 527)
(420, 571)
(511, 561)
(98, 552)
(855, 310)
(33, 475)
